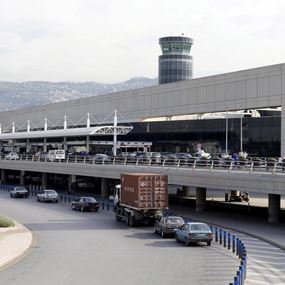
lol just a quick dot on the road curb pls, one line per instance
(15, 243)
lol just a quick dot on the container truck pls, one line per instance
(141, 198)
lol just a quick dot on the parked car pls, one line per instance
(12, 155)
(101, 158)
(85, 204)
(168, 225)
(193, 233)
(19, 192)
(48, 196)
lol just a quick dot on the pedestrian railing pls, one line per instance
(249, 165)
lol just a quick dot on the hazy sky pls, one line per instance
(114, 40)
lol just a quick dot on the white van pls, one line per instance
(56, 154)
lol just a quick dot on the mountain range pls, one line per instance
(15, 95)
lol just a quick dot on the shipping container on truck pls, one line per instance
(141, 198)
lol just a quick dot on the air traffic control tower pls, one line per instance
(175, 63)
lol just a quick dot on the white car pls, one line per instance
(12, 155)
(48, 196)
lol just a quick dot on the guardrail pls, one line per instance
(249, 165)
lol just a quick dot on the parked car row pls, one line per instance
(188, 233)
(49, 195)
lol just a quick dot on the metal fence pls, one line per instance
(273, 165)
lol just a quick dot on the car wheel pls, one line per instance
(186, 242)
(162, 234)
(73, 207)
(177, 238)
(208, 243)
(82, 209)
(38, 199)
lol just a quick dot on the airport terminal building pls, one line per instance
(177, 116)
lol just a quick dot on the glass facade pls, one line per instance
(175, 63)
(261, 136)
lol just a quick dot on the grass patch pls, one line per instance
(5, 222)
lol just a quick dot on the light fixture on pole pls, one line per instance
(227, 130)
(241, 114)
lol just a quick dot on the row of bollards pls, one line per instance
(233, 243)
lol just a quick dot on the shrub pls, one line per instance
(5, 222)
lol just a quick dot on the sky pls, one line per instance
(114, 40)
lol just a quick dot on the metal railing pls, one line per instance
(271, 165)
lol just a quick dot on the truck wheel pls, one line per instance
(132, 221)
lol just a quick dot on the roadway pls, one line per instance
(80, 248)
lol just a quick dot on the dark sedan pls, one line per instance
(85, 204)
(168, 225)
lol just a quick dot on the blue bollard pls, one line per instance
(108, 206)
(234, 244)
(229, 241)
(220, 236)
(238, 277)
(103, 205)
(225, 238)
(216, 234)
(237, 243)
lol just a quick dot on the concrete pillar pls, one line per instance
(45, 144)
(104, 187)
(273, 208)
(186, 191)
(71, 181)
(200, 199)
(44, 180)
(64, 144)
(3, 176)
(22, 177)
(28, 146)
(87, 143)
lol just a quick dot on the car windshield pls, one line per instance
(89, 199)
(174, 220)
(200, 227)
(50, 192)
(20, 188)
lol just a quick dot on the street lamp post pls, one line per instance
(227, 129)
(241, 113)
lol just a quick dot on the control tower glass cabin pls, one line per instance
(175, 63)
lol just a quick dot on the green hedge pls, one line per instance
(5, 222)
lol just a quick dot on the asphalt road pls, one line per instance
(92, 248)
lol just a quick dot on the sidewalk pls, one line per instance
(254, 226)
(14, 243)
